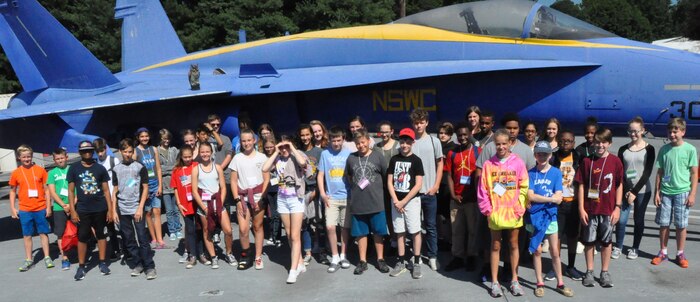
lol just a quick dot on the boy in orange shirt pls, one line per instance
(29, 182)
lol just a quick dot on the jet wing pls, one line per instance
(148, 87)
(326, 77)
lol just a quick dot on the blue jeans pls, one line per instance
(429, 207)
(640, 206)
(172, 213)
(136, 239)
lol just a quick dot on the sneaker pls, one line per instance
(682, 261)
(80, 273)
(573, 273)
(579, 248)
(361, 268)
(104, 269)
(114, 257)
(588, 280)
(415, 272)
(191, 262)
(48, 262)
(398, 269)
(661, 257)
(539, 291)
(173, 237)
(307, 259)
(344, 263)
(454, 264)
(301, 269)
(323, 259)
(231, 260)
(382, 267)
(151, 274)
(565, 291)
(333, 267)
(179, 235)
(292, 278)
(214, 262)
(516, 289)
(551, 275)
(259, 263)
(632, 254)
(616, 252)
(545, 246)
(216, 238)
(137, 271)
(65, 264)
(26, 265)
(496, 290)
(203, 260)
(605, 280)
(433, 264)
(269, 242)
(183, 258)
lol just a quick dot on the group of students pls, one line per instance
(489, 183)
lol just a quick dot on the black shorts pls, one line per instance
(59, 220)
(90, 221)
(568, 220)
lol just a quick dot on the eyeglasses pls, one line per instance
(634, 132)
(215, 124)
(567, 141)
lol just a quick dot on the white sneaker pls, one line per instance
(616, 252)
(259, 263)
(292, 278)
(579, 248)
(433, 264)
(301, 268)
(632, 254)
(545, 246)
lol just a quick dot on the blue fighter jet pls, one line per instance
(502, 55)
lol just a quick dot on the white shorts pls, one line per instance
(409, 219)
(337, 213)
(290, 205)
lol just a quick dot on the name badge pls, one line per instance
(666, 179)
(33, 193)
(593, 194)
(274, 181)
(206, 196)
(363, 183)
(465, 180)
(499, 189)
(631, 174)
(64, 192)
(189, 196)
(151, 173)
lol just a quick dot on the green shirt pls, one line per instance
(676, 162)
(57, 177)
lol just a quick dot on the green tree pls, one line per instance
(324, 14)
(658, 13)
(686, 18)
(619, 17)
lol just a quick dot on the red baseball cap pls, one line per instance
(407, 132)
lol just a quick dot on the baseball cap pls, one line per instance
(407, 132)
(543, 147)
(86, 146)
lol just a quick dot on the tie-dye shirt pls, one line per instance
(502, 192)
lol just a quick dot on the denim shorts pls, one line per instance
(152, 201)
(375, 223)
(673, 207)
(34, 222)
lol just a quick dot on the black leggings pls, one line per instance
(193, 238)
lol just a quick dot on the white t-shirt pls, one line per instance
(249, 170)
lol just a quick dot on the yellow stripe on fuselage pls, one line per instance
(398, 32)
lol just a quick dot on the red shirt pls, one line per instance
(602, 174)
(33, 179)
(181, 181)
(461, 164)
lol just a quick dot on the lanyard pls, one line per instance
(25, 177)
(600, 177)
(362, 167)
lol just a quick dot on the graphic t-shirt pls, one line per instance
(181, 181)
(148, 159)
(567, 170)
(461, 162)
(312, 157)
(404, 170)
(333, 167)
(88, 186)
(129, 178)
(30, 181)
(365, 175)
(544, 184)
(676, 161)
(57, 177)
(603, 175)
(249, 170)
